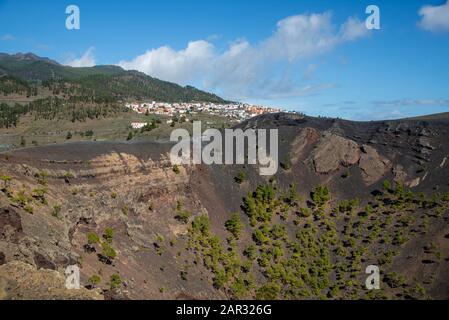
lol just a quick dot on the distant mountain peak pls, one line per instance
(29, 56)
(106, 80)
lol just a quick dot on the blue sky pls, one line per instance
(310, 56)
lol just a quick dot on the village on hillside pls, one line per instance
(234, 111)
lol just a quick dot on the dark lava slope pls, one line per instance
(59, 203)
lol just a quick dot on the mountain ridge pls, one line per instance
(113, 80)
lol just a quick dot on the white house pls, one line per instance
(138, 125)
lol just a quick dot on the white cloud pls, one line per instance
(167, 64)
(86, 60)
(7, 37)
(413, 102)
(301, 36)
(353, 29)
(435, 18)
(246, 70)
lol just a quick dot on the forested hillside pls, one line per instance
(24, 73)
(54, 91)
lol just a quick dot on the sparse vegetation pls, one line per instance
(92, 238)
(108, 235)
(176, 169)
(316, 263)
(234, 225)
(56, 212)
(115, 282)
(286, 164)
(6, 181)
(108, 251)
(94, 280)
(321, 196)
(182, 215)
(241, 177)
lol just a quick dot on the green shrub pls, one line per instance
(241, 177)
(348, 206)
(6, 181)
(260, 238)
(108, 251)
(201, 225)
(278, 232)
(305, 212)
(386, 185)
(39, 195)
(250, 252)
(239, 288)
(115, 281)
(286, 164)
(182, 216)
(94, 280)
(29, 209)
(293, 196)
(234, 225)
(108, 235)
(176, 169)
(269, 291)
(369, 209)
(321, 196)
(56, 211)
(21, 198)
(42, 177)
(92, 238)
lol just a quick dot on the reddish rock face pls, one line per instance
(333, 151)
(373, 166)
(306, 138)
